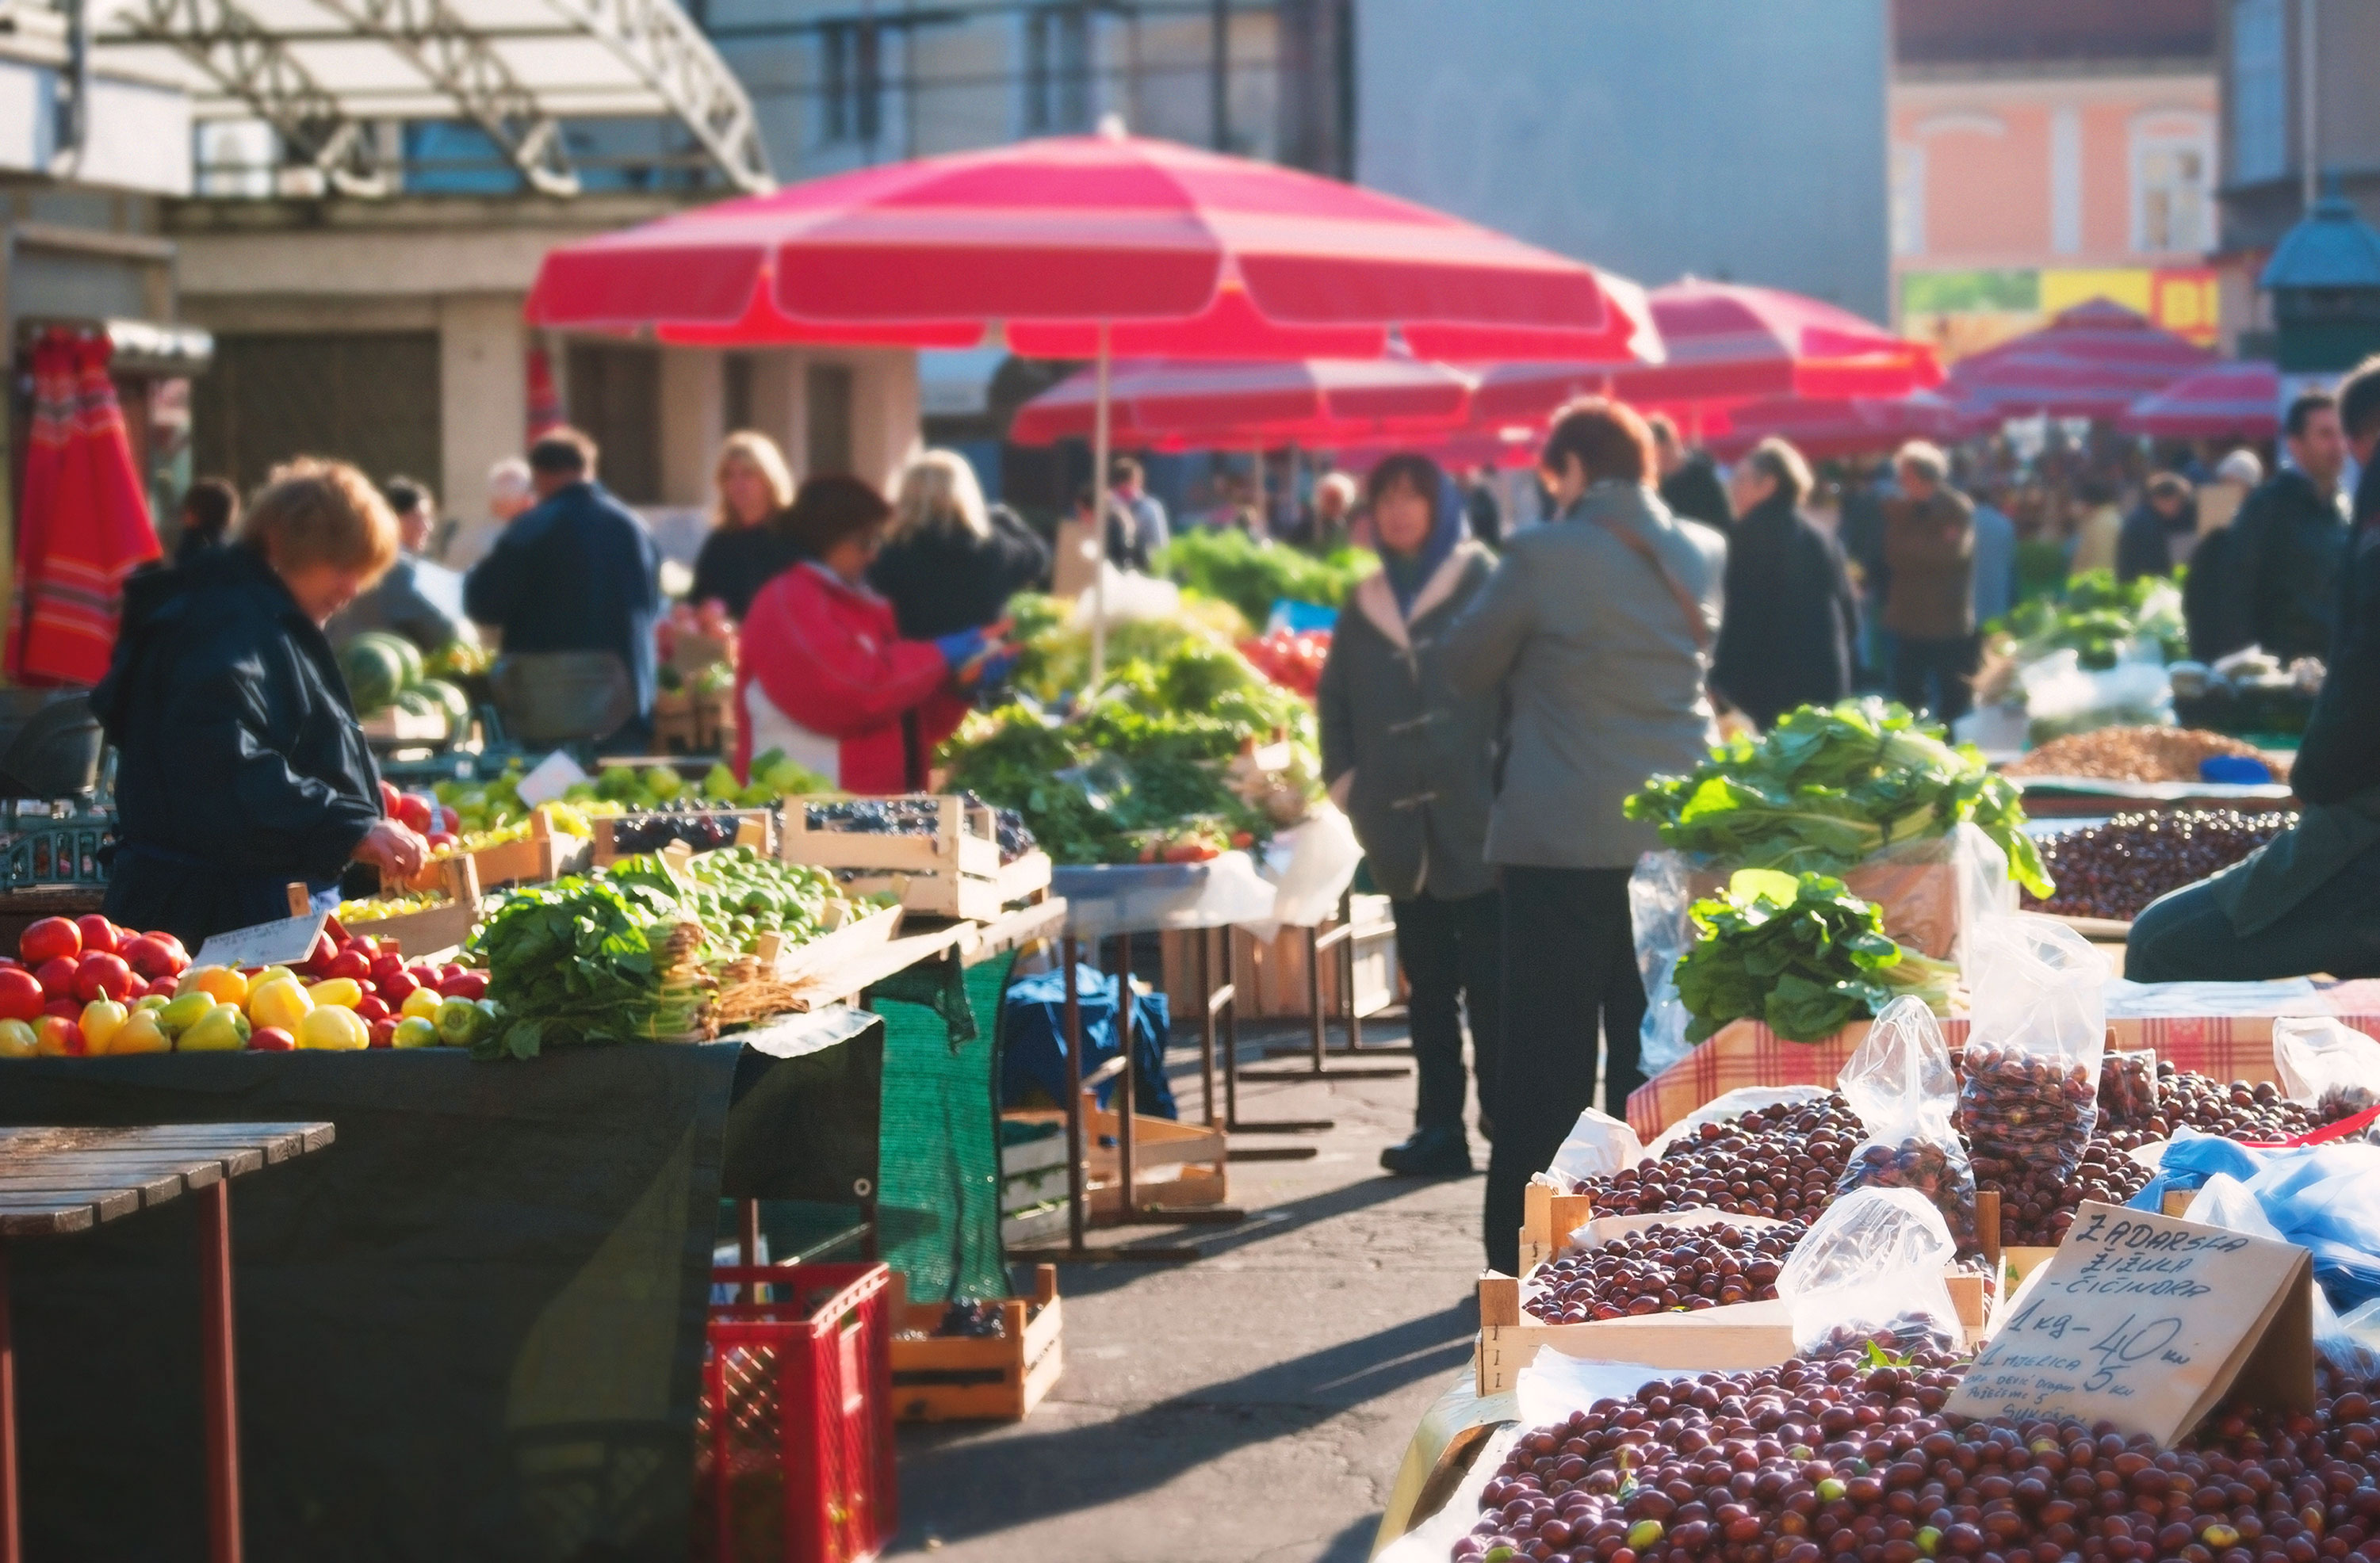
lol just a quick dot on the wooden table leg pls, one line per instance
(219, 1373)
(1206, 938)
(11, 1538)
(1127, 1090)
(1077, 1196)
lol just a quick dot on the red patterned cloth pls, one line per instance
(84, 521)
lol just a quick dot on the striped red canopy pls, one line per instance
(2242, 399)
(1840, 426)
(1310, 402)
(1723, 343)
(2093, 360)
(1177, 251)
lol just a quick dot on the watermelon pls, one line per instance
(413, 702)
(375, 674)
(453, 701)
(408, 654)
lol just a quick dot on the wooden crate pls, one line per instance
(966, 1378)
(438, 927)
(966, 840)
(1741, 1335)
(531, 859)
(964, 896)
(1175, 1165)
(1032, 1185)
(822, 956)
(755, 828)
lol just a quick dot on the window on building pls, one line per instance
(2170, 182)
(2259, 91)
(851, 82)
(1908, 199)
(1057, 69)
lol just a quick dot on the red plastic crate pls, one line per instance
(794, 1432)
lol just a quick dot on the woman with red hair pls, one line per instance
(821, 671)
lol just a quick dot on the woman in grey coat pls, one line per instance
(1413, 765)
(1596, 629)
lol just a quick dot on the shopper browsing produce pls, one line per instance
(1594, 632)
(241, 767)
(747, 547)
(1792, 619)
(823, 673)
(950, 563)
(1411, 762)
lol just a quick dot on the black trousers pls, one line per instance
(1452, 954)
(2184, 936)
(1570, 974)
(1937, 676)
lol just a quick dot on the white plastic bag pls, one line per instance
(2327, 1066)
(1318, 865)
(2062, 697)
(1900, 1083)
(1869, 1271)
(1597, 1146)
(2037, 1032)
(1657, 898)
(1124, 595)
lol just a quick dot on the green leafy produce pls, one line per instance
(1827, 789)
(586, 961)
(1252, 575)
(1801, 953)
(1054, 658)
(2096, 618)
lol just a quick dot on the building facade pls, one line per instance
(2044, 154)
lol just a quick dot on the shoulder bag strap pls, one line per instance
(1688, 605)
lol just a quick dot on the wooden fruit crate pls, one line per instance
(442, 926)
(970, 1378)
(825, 953)
(1740, 1334)
(531, 859)
(755, 828)
(1175, 1165)
(965, 842)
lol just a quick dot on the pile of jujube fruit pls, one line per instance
(1779, 1161)
(1661, 1267)
(1835, 1457)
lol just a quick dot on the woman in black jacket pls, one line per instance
(948, 563)
(240, 767)
(747, 546)
(1790, 620)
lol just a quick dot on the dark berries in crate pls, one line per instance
(2115, 869)
(1660, 1268)
(1779, 1161)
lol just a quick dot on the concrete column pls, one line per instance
(887, 433)
(483, 394)
(778, 405)
(694, 419)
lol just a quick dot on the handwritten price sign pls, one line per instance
(2147, 1322)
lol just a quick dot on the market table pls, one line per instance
(58, 1183)
(477, 1333)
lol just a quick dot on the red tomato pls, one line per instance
(324, 954)
(394, 988)
(173, 948)
(271, 1040)
(162, 986)
(100, 974)
(448, 973)
(449, 821)
(20, 995)
(388, 797)
(465, 985)
(61, 1036)
(441, 840)
(58, 978)
(48, 939)
(149, 955)
(381, 1030)
(62, 1009)
(387, 966)
(97, 933)
(415, 813)
(348, 964)
(370, 1007)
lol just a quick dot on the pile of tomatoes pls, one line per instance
(1294, 660)
(86, 989)
(426, 817)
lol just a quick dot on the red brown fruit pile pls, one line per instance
(1662, 1267)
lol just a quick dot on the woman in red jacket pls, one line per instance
(823, 673)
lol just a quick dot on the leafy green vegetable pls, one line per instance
(2095, 619)
(585, 961)
(1252, 575)
(1825, 789)
(1801, 953)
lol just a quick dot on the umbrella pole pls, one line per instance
(1100, 519)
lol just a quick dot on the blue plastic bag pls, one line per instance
(2323, 1199)
(1033, 1041)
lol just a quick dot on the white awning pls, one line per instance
(319, 71)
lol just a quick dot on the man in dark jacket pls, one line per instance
(1791, 620)
(576, 572)
(2145, 545)
(2289, 541)
(2310, 901)
(1689, 484)
(1929, 542)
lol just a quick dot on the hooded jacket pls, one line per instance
(821, 673)
(1411, 762)
(1792, 619)
(240, 765)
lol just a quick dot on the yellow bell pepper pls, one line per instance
(281, 1003)
(224, 1030)
(332, 1029)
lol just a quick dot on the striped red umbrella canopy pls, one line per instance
(1843, 426)
(1310, 401)
(1725, 343)
(2242, 399)
(1067, 245)
(2093, 360)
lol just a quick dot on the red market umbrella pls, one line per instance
(85, 519)
(2093, 360)
(1723, 343)
(1839, 426)
(1237, 404)
(1091, 247)
(2242, 399)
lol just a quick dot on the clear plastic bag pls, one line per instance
(2322, 1063)
(1658, 899)
(2351, 1345)
(2128, 1089)
(1900, 1083)
(2036, 1034)
(1597, 1146)
(1871, 1271)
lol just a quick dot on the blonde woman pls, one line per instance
(746, 548)
(950, 563)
